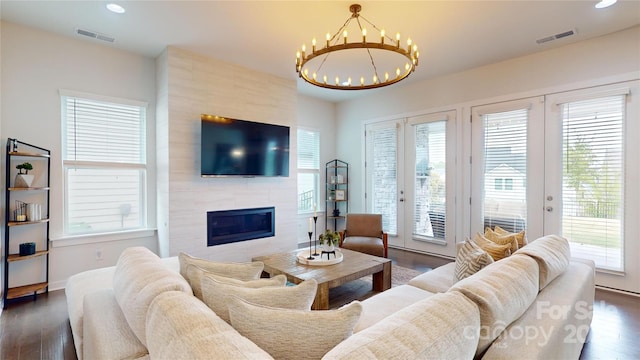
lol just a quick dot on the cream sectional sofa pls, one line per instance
(534, 304)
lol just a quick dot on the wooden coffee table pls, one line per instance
(354, 266)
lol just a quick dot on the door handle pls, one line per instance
(549, 208)
(401, 199)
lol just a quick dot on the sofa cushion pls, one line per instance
(557, 323)
(241, 271)
(437, 280)
(293, 334)
(470, 259)
(106, 333)
(196, 273)
(387, 303)
(552, 253)
(443, 326)
(217, 294)
(139, 277)
(180, 326)
(497, 252)
(502, 291)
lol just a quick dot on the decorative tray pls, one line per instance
(320, 261)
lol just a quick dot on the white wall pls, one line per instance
(605, 56)
(317, 115)
(195, 85)
(35, 65)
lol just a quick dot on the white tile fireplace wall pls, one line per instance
(188, 85)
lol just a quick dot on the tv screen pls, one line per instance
(232, 147)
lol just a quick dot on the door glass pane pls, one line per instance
(384, 186)
(429, 179)
(505, 170)
(592, 179)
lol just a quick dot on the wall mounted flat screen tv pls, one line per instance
(232, 147)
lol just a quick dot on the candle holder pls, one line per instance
(310, 256)
(315, 242)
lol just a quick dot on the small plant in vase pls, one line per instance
(329, 240)
(24, 180)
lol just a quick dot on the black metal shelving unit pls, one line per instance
(337, 192)
(39, 193)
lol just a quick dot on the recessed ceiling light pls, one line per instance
(605, 3)
(115, 8)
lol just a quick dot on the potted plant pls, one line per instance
(24, 179)
(329, 240)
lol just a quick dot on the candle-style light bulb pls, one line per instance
(386, 76)
(344, 36)
(397, 72)
(382, 36)
(375, 79)
(362, 81)
(398, 39)
(314, 77)
(304, 48)
(297, 57)
(409, 45)
(313, 45)
(324, 78)
(349, 81)
(337, 80)
(364, 35)
(306, 72)
(407, 66)
(328, 39)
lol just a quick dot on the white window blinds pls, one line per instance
(505, 169)
(593, 179)
(103, 132)
(308, 149)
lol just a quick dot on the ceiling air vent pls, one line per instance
(95, 35)
(556, 36)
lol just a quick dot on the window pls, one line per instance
(308, 169)
(498, 184)
(593, 173)
(104, 164)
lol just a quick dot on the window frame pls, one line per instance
(142, 228)
(316, 171)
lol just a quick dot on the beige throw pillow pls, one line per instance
(496, 251)
(217, 294)
(520, 236)
(294, 334)
(470, 259)
(241, 271)
(504, 239)
(196, 273)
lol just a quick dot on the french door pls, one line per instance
(409, 166)
(564, 164)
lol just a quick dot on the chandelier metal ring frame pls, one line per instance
(410, 53)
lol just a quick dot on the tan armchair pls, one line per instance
(364, 234)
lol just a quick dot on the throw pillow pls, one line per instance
(294, 334)
(470, 259)
(217, 294)
(196, 273)
(521, 236)
(496, 251)
(240, 271)
(504, 239)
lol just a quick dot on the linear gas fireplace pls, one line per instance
(229, 226)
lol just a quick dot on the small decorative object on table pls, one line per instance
(24, 180)
(329, 240)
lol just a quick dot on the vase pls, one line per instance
(328, 247)
(23, 180)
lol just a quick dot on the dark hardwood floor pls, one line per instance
(40, 329)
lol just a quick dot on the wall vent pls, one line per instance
(95, 35)
(556, 36)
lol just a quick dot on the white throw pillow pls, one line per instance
(294, 334)
(240, 271)
(552, 253)
(217, 294)
(196, 273)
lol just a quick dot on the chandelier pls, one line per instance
(392, 58)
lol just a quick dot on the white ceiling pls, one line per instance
(264, 35)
